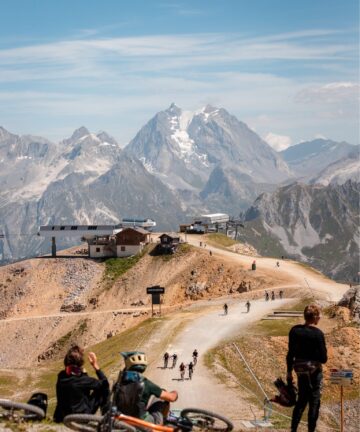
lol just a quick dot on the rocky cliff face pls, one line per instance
(315, 224)
(206, 152)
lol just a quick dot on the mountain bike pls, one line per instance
(189, 419)
(191, 371)
(194, 360)
(19, 412)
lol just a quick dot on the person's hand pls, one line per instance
(176, 395)
(93, 360)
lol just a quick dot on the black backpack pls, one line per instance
(127, 393)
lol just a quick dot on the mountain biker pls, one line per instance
(281, 293)
(248, 304)
(76, 392)
(195, 356)
(266, 296)
(182, 368)
(307, 352)
(225, 309)
(272, 295)
(133, 391)
(191, 369)
(174, 360)
(166, 360)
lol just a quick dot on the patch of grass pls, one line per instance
(7, 383)
(276, 327)
(116, 267)
(218, 239)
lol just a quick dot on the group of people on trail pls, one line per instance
(247, 305)
(77, 392)
(272, 295)
(167, 357)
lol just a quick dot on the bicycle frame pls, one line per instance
(133, 421)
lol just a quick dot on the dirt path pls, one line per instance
(310, 280)
(203, 329)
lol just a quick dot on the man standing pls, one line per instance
(307, 352)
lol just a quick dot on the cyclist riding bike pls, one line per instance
(195, 356)
(174, 360)
(225, 309)
(166, 360)
(132, 391)
(248, 304)
(191, 369)
(182, 368)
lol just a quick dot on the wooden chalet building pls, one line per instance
(169, 242)
(131, 241)
(128, 242)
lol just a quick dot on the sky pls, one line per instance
(288, 69)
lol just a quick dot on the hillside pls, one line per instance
(312, 223)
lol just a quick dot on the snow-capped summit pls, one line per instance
(184, 147)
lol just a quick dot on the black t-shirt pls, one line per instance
(306, 343)
(75, 393)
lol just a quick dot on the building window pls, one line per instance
(74, 227)
(122, 248)
(62, 228)
(97, 249)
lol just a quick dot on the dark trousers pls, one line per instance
(309, 387)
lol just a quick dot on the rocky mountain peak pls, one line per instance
(174, 110)
(4, 134)
(79, 133)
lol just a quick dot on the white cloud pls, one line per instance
(278, 142)
(331, 93)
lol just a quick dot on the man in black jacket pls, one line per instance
(76, 392)
(307, 352)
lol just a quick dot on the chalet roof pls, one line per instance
(137, 229)
(170, 234)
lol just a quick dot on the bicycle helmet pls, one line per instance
(135, 361)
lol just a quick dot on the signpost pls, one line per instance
(155, 292)
(342, 377)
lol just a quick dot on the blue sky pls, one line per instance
(289, 69)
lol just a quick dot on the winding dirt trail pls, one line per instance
(208, 328)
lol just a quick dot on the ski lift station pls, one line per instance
(90, 232)
(211, 219)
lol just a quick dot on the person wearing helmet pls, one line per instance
(76, 392)
(133, 391)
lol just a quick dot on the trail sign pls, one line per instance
(155, 292)
(157, 289)
(341, 377)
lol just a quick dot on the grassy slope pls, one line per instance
(264, 347)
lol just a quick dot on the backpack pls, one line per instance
(127, 393)
(39, 400)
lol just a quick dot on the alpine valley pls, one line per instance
(302, 202)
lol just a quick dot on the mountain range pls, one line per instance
(178, 165)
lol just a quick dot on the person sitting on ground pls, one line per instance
(132, 391)
(76, 392)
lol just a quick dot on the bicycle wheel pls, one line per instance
(17, 411)
(82, 422)
(206, 420)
